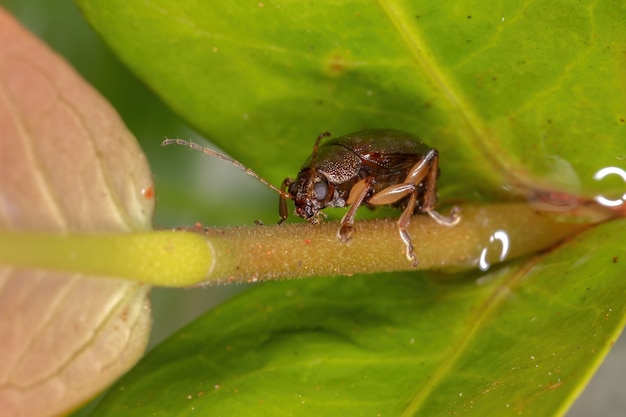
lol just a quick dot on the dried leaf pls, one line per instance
(67, 164)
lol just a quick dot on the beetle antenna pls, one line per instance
(211, 152)
(313, 157)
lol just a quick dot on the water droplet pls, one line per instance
(600, 175)
(503, 238)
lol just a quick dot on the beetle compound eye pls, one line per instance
(321, 189)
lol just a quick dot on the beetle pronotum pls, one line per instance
(371, 167)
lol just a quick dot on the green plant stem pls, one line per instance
(157, 257)
(305, 250)
(486, 235)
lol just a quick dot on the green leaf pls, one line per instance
(513, 94)
(518, 339)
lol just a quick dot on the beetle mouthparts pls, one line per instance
(308, 209)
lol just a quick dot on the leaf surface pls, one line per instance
(516, 340)
(513, 94)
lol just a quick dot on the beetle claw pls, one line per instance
(410, 255)
(408, 243)
(345, 232)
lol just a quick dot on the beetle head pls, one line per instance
(310, 195)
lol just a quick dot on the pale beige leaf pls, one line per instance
(67, 164)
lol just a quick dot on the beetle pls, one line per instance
(367, 168)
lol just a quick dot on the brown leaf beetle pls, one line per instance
(372, 168)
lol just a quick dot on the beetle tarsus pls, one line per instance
(451, 220)
(411, 257)
(406, 238)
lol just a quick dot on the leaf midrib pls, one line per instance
(416, 47)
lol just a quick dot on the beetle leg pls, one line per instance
(397, 192)
(282, 202)
(403, 223)
(425, 170)
(426, 167)
(450, 220)
(430, 193)
(391, 194)
(359, 191)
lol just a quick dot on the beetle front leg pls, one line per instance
(283, 212)
(359, 191)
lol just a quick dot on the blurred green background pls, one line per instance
(195, 192)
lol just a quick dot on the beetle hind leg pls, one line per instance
(403, 223)
(430, 195)
(451, 219)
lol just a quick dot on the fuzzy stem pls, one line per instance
(486, 235)
(304, 250)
